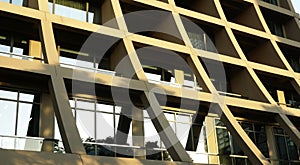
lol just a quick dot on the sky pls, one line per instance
(296, 4)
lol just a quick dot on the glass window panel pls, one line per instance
(281, 147)
(118, 109)
(170, 116)
(71, 9)
(56, 130)
(236, 147)
(90, 17)
(5, 1)
(105, 127)
(5, 49)
(189, 83)
(183, 118)
(86, 124)
(247, 126)
(261, 143)
(95, 13)
(117, 117)
(218, 122)
(18, 51)
(8, 94)
(278, 131)
(146, 113)
(50, 5)
(151, 76)
(23, 118)
(72, 103)
(292, 149)
(183, 132)
(17, 2)
(66, 60)
(26, 97)
(151, 134)
(202, 143)
(259, 128)
(105, 108)
(7, 117)
(85, 105)
(129, 139)
(223, 141)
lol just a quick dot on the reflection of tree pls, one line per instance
(115, 151)
(106, 150)
(155, 154)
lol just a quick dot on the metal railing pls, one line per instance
(19, 56)
(108, 72)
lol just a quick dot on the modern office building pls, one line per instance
(87, 82)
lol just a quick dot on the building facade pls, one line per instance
(149, 82)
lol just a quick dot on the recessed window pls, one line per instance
(286, 149)
(87, 11)
(276, 28)
(274, 2)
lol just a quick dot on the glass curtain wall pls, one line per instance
(286, 149)
(229, 150)
(19, 116)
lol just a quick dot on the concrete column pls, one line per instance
(211, 139)
(271, 145)
(138, 136)
(47, 122)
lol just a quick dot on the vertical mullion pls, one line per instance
(95, 122)
(17, 113)
(95, 125)
(87, 11)
(53, 7)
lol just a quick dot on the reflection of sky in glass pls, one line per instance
(8, 95)
(150, 132)
(5, 1)
(85, 105)
(105, 108)
(17, 2)
(23, 118)
(85, 120)
(70, 12)
(105, 126)
(7, 117)
(26, 97)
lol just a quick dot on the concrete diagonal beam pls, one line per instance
(165, 131)
(161, 124)
(65, 120)
(254, 154)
